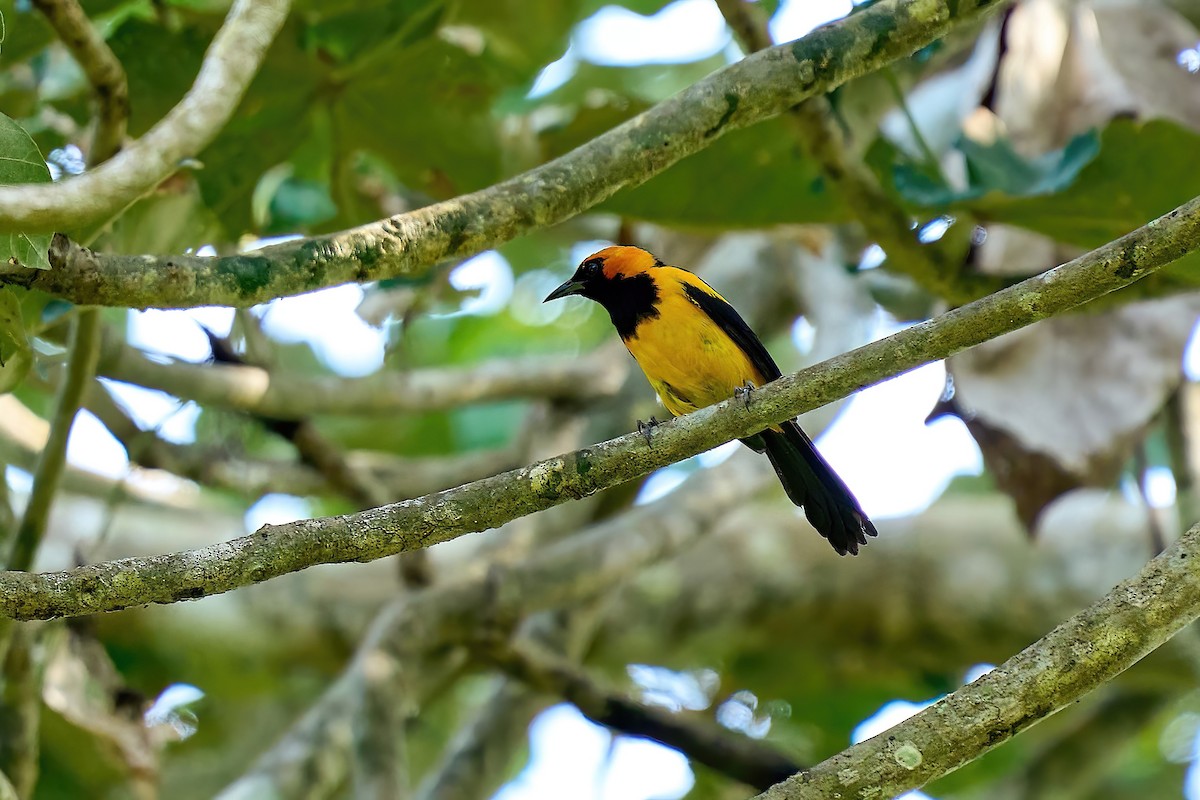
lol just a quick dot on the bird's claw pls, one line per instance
(646, 429)
(743, 392)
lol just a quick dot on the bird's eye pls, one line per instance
(592, 265)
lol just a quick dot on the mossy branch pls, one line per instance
(232, 61)
(885, 221)
(1079, 655)
(477, 506)
(759, 87)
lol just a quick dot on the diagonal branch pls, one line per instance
(231, 62)
(81, 366)
(761, 86)
(885, 221)
(567, 573)
(428, 520)
(1084, 652)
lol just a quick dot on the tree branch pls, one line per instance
(264, 393)
(1074, 765)
(103, 71)
(479, 755)
(1084, 652)
(477, 506)
(477, 760)
(20, 707)
(215, 466)
(231, 62)
(739, 757)
(81, 366)
(23, 436)
(569, 572)
(884, 220)
(758, 87)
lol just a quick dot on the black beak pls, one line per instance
(569, 288)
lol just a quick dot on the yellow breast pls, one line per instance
(686, 356)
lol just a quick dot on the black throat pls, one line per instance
(628, 301)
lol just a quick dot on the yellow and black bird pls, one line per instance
(696, 350)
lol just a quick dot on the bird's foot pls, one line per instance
(646, 429)
(743, 392)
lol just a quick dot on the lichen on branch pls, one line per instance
(484, 504)
(760, 86)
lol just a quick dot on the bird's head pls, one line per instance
(605, 273)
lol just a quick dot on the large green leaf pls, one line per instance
(646, 83)
(358, 34)
(423, 105)
(426, 111)
(161, 64)
(1094, 190)
(1143, 170)
(750, 178)
(22, 162)
(997, 167)
(272, 121)
(1083, 195)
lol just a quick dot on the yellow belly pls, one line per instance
(691, 363)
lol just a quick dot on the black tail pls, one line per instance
(810, 482)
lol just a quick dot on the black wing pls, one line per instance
(735, 328)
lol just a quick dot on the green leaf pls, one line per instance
(1094, 190)
(997, 167)
(364, 32)
(273, 120)
(16, 356)
(161, 64)
(1143, 170)
(166, 222)
(435, 130)
(299, 203)
(750, 178)
(22, 162)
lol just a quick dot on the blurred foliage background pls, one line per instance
(1054, 128)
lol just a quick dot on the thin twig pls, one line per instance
(760, 86)
(108, 80)
(103, 71)
(218, 467)
(479, 756)
(81, 366)
(325, 456)
(1141, 476)
(289, 396)
(20, 707)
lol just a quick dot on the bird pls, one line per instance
(696, 350)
